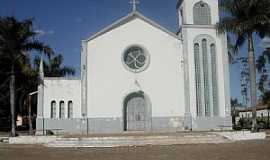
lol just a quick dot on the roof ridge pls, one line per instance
(126, 19)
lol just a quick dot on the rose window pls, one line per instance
(135, 59)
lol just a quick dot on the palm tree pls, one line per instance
(243, 18)
(17, 40)
(53, 67)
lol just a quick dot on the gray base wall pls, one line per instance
(59, 126)
(211, 123)
(167, 124)
(115, 125)
(104, 125)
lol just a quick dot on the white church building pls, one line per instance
(138, 76)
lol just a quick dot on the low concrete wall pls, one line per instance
(243, 135)
(32, 139)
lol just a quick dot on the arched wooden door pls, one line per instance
(137, 112)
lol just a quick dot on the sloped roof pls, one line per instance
(127, 19)
(258, 108)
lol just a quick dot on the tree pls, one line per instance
(17, 41)
(264, 82)
(53, 67)
(266, 100)
(234, 104)
(243, 18)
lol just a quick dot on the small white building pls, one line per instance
(261, 111)
(138, 76)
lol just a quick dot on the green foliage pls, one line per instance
(53, 66)
(243, 19)
(18, 40)
(246, 123)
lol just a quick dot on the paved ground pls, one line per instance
(249, 150)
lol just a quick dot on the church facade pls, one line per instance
(138, 76)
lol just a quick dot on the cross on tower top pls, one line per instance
(134, 4)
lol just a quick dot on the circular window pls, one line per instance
(135, 59)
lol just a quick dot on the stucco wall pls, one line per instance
(57, 89)
(109, 82)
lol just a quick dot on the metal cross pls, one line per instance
(134, 4)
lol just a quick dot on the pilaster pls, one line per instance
(188, 116)
(84, 80)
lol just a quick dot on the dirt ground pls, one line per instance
(249, 150)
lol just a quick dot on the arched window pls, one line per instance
(70, 109)
(201, 13)
(198, 78)
(214, 79)
(62, 110)
(206, 77)
(53, 109)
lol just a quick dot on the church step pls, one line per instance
(136, 141)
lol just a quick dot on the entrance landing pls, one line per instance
(137, 139)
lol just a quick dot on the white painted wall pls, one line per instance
(57, 89)
(109, 81)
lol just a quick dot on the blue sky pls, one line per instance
(64, 23)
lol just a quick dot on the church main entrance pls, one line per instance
(136, 112)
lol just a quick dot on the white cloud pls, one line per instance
(42, 33)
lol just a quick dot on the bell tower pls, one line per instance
(205, 63)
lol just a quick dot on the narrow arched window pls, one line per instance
(201, 13)
(70, 109)
(198, 79)
(62, 109)
(214, 79)
(53, 109)
(206, 77)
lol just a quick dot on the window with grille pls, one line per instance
(62, 110)
(70, 109)
(53, 109)
(214, 79)
(206, 77)
(198, 78)
(201, 13)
